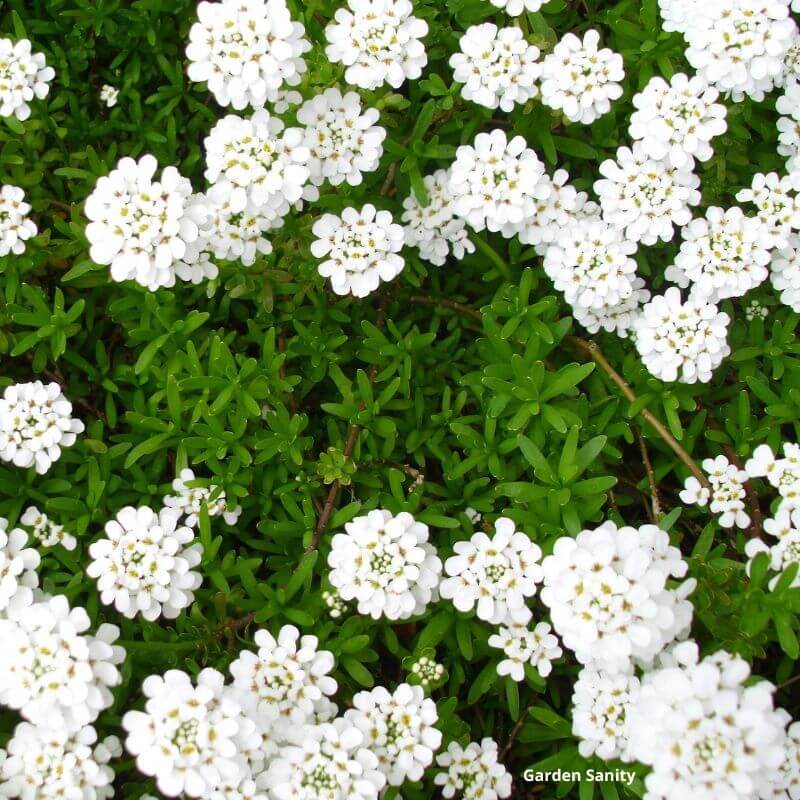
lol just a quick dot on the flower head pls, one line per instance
(15, 226)
(23, 76)
(523, 644)
(190, 501)
(45, 531)
(378, 41)
(35, 423)
(727, 494)
(362, 249)
(17, 565)
(474, 771)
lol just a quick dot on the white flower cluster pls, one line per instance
(788, 104)
(494, 575)
(341, 137)
(785, 272)
(246, 50)
(17, 566)
(190, 501)
(608, 594)
(272, 733)
(516, 7)
(777, 205)
(703, 732)
(474, 772)
(644, 197)
(580, 78)
(739, 46)
(378, 41)
(398, 729)
(676, 121)
(362, 249)
(386, 564)
(495, 183)
(722, 255)
(45, 531)
(51, 763)
(781, 473)
(144, 563)
(35, 423)
(523, 645)
(497, 66)
(139, 226)
(337, 607)
(726, 496)
(681, 341)
(785, 528)
(591, 262)
(601, 703)
(427, 671)
(435, 228)
(23, 76)
(51, 670)
(15, 226)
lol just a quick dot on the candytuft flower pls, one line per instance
(15, 226)
(23, 76)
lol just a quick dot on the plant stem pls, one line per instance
(651, 477)
(593, 351)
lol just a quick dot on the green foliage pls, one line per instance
(270, 386)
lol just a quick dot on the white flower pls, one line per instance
(342, 138)
(785, 272)
(601, 701)
(722, 255)
(782, 473)
(109, 95)
(523, 645)
(619, 318)
(497, 66)
(47, 532)
(494, 575)
(727, 493)
(677, 15)
(51, 670)
(47, 763)
(434, 228)
(362, 249)
(23, 76)
(559, 206)
(608, 595)
(144, 563)
(258, 160)
(284, 99)
(379, 41)
(15, 226)
(427, 671)
(702, 731)
(581, 79)
(515, 7)
(140, 226)
(246, 50)
(681, 341)
(495, 183)
(785, 527)
(35, 423)
(398, 728)
(331, 764)
(739, 45)
(17, 565)
(777, 204)
(235, 235)
(785, 782)
(474, 772)
(788, 104)
(591, 262)
(186, 737)
(288, 676)
(190, 501)
(646, 198)
(337, 607)
(385, 564)
(676, 121)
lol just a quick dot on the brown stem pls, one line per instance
(515, 731)
(651, 477)
(352, 438)
(593, 351)
(233, 625)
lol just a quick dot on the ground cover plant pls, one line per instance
(399, 400)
